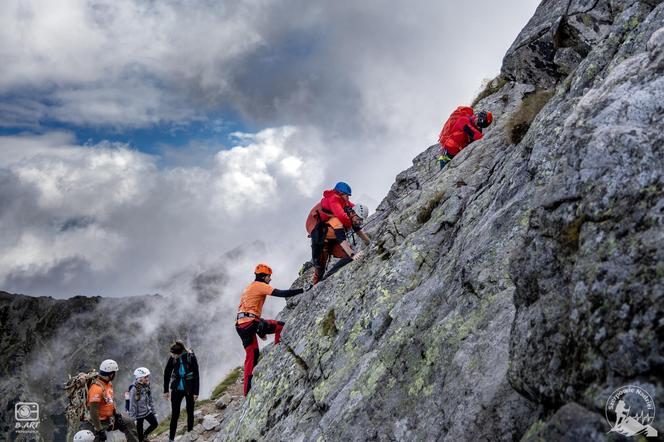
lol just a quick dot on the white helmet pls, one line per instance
(84, 436)
(108, 366)
(361, 210)
(141, 372)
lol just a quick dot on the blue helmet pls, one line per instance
(342, 187)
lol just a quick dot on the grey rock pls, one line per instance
(571, 423)
(223, 401)
(656, 41)
(210, 423)
(567, 59)
(509, 295)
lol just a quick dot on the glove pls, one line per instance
(307, 286)
(101, 434)
(358, 255)
(118, 420)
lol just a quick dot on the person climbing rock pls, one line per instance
(461, 128)
(141, 405)
(249, 323)
(103, 414)
(182, 373)
(327, 224)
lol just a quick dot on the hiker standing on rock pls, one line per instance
(103, 414)
(182, 373)
(461, 128)
(141, 405)
(327, 224)
(249, 323)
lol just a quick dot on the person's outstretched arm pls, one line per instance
(286, 293)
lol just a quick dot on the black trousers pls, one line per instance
(121, 423)
(176, 402)
(152, 420)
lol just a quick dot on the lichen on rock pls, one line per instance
(510, 294)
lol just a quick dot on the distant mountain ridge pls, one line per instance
(45, 339)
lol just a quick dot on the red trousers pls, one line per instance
(248, 332)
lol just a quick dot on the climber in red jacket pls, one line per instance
(332, 218)
(461, 128)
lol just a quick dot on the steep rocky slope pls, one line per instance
(507, 297)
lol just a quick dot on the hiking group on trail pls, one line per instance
(330, 224)
(92, 400)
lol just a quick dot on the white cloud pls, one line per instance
(87, 181)
(351, 90)
(248, 175)
(128, 223)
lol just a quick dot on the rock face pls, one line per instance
(509, 295)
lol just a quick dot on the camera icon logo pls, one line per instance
(26, 411)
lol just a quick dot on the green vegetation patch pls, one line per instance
(531, 434)
(424, 214)
(490, 88)
(163, 426)
(569, 235)
(328, 325)
(229, 380)
(519, 122)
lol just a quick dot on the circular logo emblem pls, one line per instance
(630, 411)
(24, 412)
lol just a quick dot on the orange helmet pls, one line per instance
(263, 268)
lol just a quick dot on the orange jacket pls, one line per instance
(104, 396)
(252, 300)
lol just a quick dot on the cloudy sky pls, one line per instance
(139, 139)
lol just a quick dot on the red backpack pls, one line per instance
(461, 111)
(314, 218)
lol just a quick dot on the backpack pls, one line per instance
(461, 111)
(76, 390)
(317, 230)
(188, 375)
(313, 218)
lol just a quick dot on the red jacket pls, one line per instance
(462, 134)
(334, 205)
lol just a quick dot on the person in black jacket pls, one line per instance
(182, 373)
